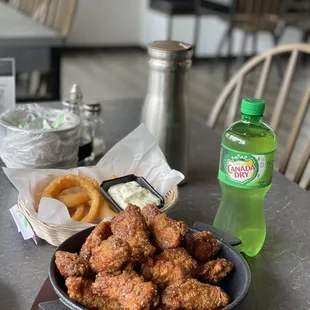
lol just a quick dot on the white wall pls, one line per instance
(131, 22)
(106, 22)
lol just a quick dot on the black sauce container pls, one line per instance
(105, 185)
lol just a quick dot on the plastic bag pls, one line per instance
(32, 136)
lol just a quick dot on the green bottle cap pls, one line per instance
(252, 106)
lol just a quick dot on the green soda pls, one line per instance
(245, 175)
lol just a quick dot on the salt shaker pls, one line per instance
(91, 118)
(74, 105)
(165, 108)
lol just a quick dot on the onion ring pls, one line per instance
(72, 200)
(105, 209)
(95, 183)
(79, 213)
(67, 181)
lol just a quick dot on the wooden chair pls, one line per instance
(40, 11)
(14, 3)
(234, 89)
(61, 15)
(252, 17)
(56, 14)
(299, 17)
(26, 6)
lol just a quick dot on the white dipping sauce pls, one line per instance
(132, 193)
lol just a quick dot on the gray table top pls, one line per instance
(18, 29)
(281, 278)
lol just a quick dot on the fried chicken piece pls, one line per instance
(168, 267)
(194, 295)
(166, 233)
(214, 271)
(71, 264)
(131, 227)
(203, 246)
(149, 212)
(111, 255)
(162, 307)
(128, 289)
(130, 266)
(101, 232)
(80, 290)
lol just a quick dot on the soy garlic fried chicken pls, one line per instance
(166, 233)
(101, 232)
(203, 246)
(194, 295)
(71, 264)
(111, 255)
(168, 267)
(80, 290)
(162, 307)
(128, 289)
(131, 227)
(149, 212)
(214, 271)
(130, 266)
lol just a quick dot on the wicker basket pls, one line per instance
(55, 234)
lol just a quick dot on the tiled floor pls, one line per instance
(105, 75)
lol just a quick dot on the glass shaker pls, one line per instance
(71, 106)
(74, 105)
(92, 120)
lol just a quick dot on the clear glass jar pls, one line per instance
(71, 106)
(93, 122)
(85, 132)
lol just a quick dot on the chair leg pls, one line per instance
(219, 49)
(276, 39)
(229, 54)
(254, 43)
(196, 33)
(41, 83)
(240, 59)
(305, 39)
(305, 36)
(55, 76)
(169, 31)
(34, 82)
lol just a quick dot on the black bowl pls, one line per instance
(236, 285)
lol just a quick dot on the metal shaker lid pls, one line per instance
(170, 49)
(76, 93)
(69, 104)
(92, 107)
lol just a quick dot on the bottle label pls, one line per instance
(245, 170)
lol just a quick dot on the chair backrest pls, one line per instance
(234, 89)
(14, 3)
(299, 7)
(26, 6)
(254, 15)
(40, 10)
(56, 14)
(254, 7)
(61, 15)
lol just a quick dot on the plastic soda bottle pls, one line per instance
(245, 175)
